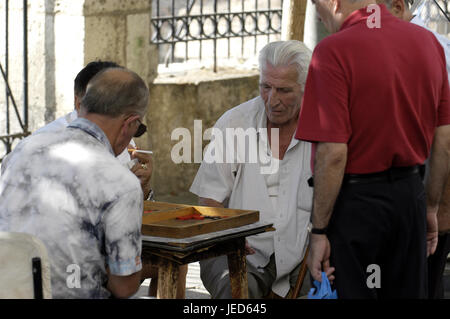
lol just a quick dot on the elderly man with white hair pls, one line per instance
(281, 194)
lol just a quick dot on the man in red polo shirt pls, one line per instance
(376, 101)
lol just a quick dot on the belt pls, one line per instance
(390, 175)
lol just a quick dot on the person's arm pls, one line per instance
(122, 222)
(124, 286)
(439, 170)
(143, 171)
(209, 202)
(329, 168)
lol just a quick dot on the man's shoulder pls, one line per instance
(393, 30)
(37, 143)
(59, 124)
(244, 115)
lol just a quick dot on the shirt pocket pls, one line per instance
(305, 193)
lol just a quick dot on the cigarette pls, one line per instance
(139, 151)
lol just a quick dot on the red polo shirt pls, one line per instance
(383, 91)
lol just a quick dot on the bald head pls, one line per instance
(116, 91)
(333, 13)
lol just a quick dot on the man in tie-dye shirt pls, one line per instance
(68, 189)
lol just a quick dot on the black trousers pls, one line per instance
(436, 267)
(382, 224)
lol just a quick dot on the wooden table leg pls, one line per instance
(167, 279)
(237, 265)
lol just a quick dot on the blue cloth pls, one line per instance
(322, 290)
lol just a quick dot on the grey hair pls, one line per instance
(116, 91)
(284, 53)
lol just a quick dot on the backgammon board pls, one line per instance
(182, 221)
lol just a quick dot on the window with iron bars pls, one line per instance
(213, 33)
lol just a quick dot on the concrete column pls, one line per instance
(119, 31)
(293, 20)
(69, 37)
(65, 35)
(78, 32)
(314, 29)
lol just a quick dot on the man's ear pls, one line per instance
(398, 8)
(337, 5)
(127, 124)
(77, 103)
(125, 127)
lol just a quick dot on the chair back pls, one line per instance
(24, 267)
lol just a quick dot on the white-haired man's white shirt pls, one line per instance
(246, 188)
(62, 122)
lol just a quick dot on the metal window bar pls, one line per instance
(8, 149)
(9, 138)
(178, 26)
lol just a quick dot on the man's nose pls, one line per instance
(273, 97)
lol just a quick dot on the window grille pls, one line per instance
(199, 30)
(10, 112)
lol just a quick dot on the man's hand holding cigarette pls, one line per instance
(143, 169)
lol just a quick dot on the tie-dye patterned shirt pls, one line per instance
(69, 190)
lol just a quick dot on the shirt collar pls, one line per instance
(92, 129)
(359, 15)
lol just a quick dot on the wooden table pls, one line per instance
(168, 254)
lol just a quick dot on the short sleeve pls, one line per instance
(324, 115)
(123, 243)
